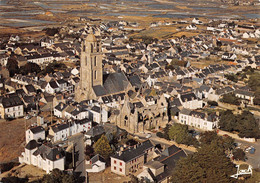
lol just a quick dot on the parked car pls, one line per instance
(252, 150)
(148, 135)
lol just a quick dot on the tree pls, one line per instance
(102, 147)
(239, 154)
(209, 164)
(232, 77)
(247, 125)
(166, 132)
(227, 121)
(30, 68)
(89, 152)
(51, 31)
(208, 137)
(57, 176)
(212, 103)
(230, 98)
(12, 66)
(180, 134)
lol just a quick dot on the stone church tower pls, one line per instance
(91, 72)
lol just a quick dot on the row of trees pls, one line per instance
(245, 124)
(254, 84)
(230, 98)
(209, 164)
(12, 66)
(179, 133)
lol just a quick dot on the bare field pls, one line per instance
(12, 138)
(205, 63)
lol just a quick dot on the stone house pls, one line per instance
(132, 159)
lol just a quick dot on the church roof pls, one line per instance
(115, 82)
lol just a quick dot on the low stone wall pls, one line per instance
(235, 136)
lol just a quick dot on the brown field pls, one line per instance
(12, 138)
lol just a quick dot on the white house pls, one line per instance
(190, 101)
(199, 120)
(43, 156)
(96, 113)
(191, 27)
(197, 21)
(246, 96)
(61, 132)
(96, 164)
(11, 107)
(35, 133)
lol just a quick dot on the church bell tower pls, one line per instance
(91, 72)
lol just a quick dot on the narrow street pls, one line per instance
(79, 157)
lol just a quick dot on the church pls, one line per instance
(93, 83)
(134, 115)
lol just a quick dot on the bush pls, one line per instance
(7, 166)
(230, 99)
(160, 135)
(212, 103)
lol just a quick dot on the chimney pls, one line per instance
(120, 153)
(121, 148)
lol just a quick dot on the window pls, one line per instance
(120, 169)
(95, 61)
(95, 74)
(115, 161)
(120, 163)
(114, 168)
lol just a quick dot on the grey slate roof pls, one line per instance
(132, 153)
(188, 97)
(115, 82)
(37, 129)
(244, 92)
(31, 145)
(95, 131)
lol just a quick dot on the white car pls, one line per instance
(148, 135)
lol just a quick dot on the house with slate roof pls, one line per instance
(43, 156)
(96, 164)
(160, 169)
(131, 159)
(34, 133)
(199, 120)
(190, 101)
(11, 107)
(246, 96)
(60, 132)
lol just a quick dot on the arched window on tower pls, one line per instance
(97, 47)
(86, 61)
(91, 48)
(95, 61)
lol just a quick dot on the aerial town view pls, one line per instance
(130, 91)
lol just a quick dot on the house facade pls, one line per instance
(199, 120)
(131, 159)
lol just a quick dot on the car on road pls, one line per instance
(149, 135)
(27, 117)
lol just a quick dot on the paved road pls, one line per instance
(253, 159)
(157, 140)
(79, 156)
